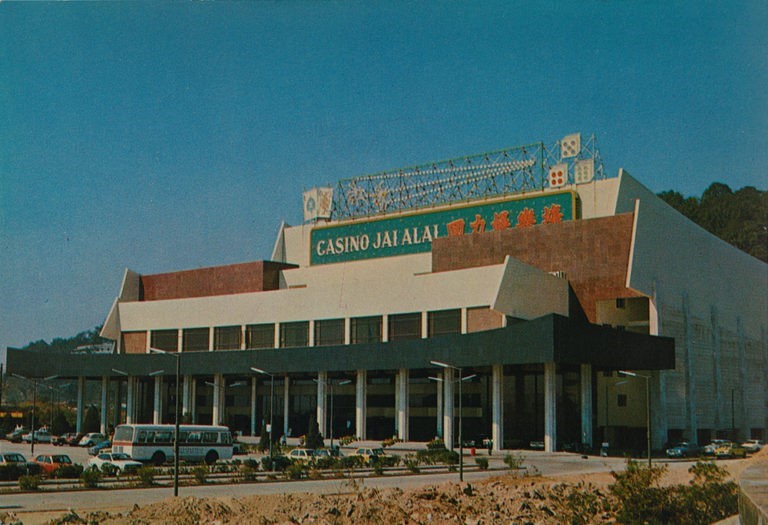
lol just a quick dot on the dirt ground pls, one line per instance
(511, 498)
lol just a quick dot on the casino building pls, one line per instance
(510, 288)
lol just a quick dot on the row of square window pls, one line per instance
(296, 334)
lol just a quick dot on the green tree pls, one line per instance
(60, 425)
(91, 422)
(313, 439)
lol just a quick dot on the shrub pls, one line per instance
(346, 440)
(90, 478)
(108, 469)
(412, 463)
(436, 443)
(68, 471)
(482, 462)
(708, 498)
(295, 471)
(640, 497)
(11, 472)
(387, 461)
(30, 482)
(200, 474)
(347, 462)
(438, 455)
(276, 463)
(514, 461)
(146, 476)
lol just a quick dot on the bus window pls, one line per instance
(163, 437)
(183, 437)
(194, 437)
(142, 436)
(210, 437)
(123, 434)
(150, 436)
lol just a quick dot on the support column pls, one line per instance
(130, 400)
(322, 381)
(585, 400)
(347, 331)
(401, 403)
(117, 419)
(218, 380)
(104, 401)
(193, 400)
(157, 409)
(550, 409)
(185, 398)
(311, 334)
(286, 399)
(253, 408)
(80, 402)
(361, 383)
(497, 407)
(448, 402)
(440, 389)
(690, 381)
(384, 328)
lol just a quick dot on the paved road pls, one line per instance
(124, 499)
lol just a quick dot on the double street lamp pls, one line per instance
(177, 356)
(271, 401)
(460, 380)
(34, 381)
(647, 409)
(329, 383)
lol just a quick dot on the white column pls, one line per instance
(550, 398)
(360, 403)
(585, 400)
(217, 395)
(193, 398)
(401, 402)
(440, 389)
(277, 335)
(185, 398)
(464, 320)
(424, 325)
(311, 338)
(180, 340)
(347, 331)
(448, 399)
(286, 399)
(322, 381)
(242, 337)
(497, 406)
(130, 408)
(157, 409)
(104, 403)
(384, 328)
(80, 402)
(211, 341)
(253, 408)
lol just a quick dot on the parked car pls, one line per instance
(301, 454)
(41, 435)
(15, 436)
(709, 450)
(753, 445)
(50, 462)
(730, 450)
(99, 447)
(91, 438)
(684, 449)
(122, 463)
(369, 454)
(73, 438)
(14, 458)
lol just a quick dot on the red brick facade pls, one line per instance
(255, 276)
(593, 253)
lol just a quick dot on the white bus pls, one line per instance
(154, 443)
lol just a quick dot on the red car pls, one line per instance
(50, 462)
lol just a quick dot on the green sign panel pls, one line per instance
(413, 233)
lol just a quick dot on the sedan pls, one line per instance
(41, 436)
(99, 447)
(683, 449)
(752, 445)
(14, 458)
(50, 462)
(121, 462)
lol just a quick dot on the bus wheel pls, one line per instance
(158, 458)
(211, 457)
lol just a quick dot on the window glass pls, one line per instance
(165, 340)
(260, 336)
(227, 337)
(163, 437)
(404, 326)
(210, 437)
(444, 322)
(294, 334)
(329, 332)
(365, 329)
(194, 437)
(195, 339)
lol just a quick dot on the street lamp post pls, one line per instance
(647, 409)
(460, 380)
(329, 384)
(34, 381)
(271, 401)
(177, 356)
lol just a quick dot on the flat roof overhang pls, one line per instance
(551, 338)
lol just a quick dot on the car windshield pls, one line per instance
(13, 458)
(378, 451)
(61, 459)
(121, 456)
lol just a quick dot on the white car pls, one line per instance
(753, 445)
(41, 436)
(122, 462)
(91, 439)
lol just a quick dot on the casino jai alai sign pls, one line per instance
(413, 233)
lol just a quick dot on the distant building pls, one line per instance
(535, 299)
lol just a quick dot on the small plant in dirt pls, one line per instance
(146, 476)
(200, 474)
(434, 456)
(30, 482)
(641, 499)
(482, 463)
(90, 478)
(295, 471)
(275, 463)
(411, 462)
(514, 461)
(436, 443)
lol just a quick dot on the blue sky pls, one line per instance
(164, 136)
